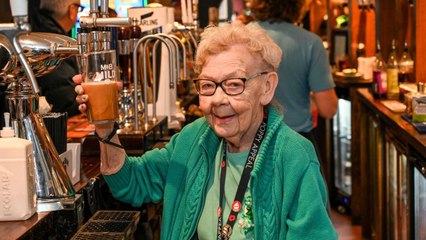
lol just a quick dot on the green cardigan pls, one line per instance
(289, 194)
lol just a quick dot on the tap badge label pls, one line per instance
(107, 72)
(149, 22)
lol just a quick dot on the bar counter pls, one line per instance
(390, 161)
(36, 225)
(405, 130)
(91, 187)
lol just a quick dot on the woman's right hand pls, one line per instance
(112, 158)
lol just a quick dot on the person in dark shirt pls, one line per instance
(57, 86)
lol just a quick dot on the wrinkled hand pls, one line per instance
(81, 97)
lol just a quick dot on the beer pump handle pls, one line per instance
(94, 8)
(19, 7)
(104, 8)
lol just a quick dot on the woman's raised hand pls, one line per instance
(83, 98)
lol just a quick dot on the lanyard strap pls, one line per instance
(225, 232)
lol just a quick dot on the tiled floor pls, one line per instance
(342, 223)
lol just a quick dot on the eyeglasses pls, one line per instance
(80, 7)
(231, 86)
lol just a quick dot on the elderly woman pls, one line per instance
(238, 172)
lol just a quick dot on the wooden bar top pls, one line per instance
(348, 81)
(406, 131)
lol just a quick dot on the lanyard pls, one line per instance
(225, 232)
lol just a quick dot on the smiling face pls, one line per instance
(236, 118)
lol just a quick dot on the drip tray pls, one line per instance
(109, 225)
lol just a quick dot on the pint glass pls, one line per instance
(99, 84)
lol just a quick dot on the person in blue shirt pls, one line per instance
(305, 72)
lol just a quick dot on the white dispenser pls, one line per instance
(18, 198)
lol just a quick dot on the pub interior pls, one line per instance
(373, 149)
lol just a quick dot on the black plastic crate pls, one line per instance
(109, 225)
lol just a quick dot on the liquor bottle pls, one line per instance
(392, 74)
(406, 66)
(360, 53)
(379, 85)
(360, 50)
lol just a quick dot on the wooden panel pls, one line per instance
(420, 45)
(363, 30)
(394, 21)
(317, 13)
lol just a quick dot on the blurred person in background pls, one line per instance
(54, 16)
(306, 82)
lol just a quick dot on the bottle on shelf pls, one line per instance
(379, 85)
(406, 67)
(360, 54)
(392, 74)
(360, 50)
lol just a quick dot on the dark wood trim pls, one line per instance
(420, 44)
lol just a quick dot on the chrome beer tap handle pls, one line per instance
(154, 60)
(175, 57)
(91, 22)
(184, 59)
(8, 60)
(14, 32)
(104, 8)
(32, 50)
(187, 30)
(135, 75)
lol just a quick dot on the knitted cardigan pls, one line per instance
(288, 191)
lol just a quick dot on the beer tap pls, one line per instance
(36, 54)
(91, 32)
(127, 38)
(13, 31)
(96, 35)
(176, 42)
(187, 32)
(124, 61)
(8, 60)
(190, 22)
(195, 22)
(103, 20)
(174, 82)
(184, 59)
(175, 58)
(145, 40)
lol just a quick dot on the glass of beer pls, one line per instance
(99, 84)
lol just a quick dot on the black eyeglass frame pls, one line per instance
(197, 86)
(79, 7)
